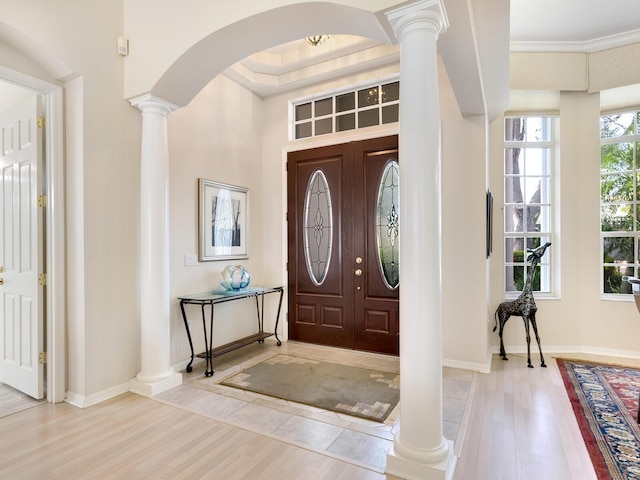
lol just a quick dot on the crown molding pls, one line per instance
(589, 46)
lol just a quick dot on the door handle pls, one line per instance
(358, 272)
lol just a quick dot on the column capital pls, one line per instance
(428, 14)
(150, 102)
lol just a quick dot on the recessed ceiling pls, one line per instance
(536, 25)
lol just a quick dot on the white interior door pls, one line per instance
(21, 249)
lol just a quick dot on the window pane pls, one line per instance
(527, 161)
(527, 218)
(390, 114)
(303, 130)
(514, 250)
(616, 218)
(513, 187)
(514, 278)
(616, 157)
(367, 97)
(512, 162)
(527, 129)
(617, 250)
(303, 111)
(391, 92)
(513, 215)
(368, 118)
(537, 129)
(346, 122)
(537, 161)
(616, 188)
(616, 125)
(324, 107)
(613, 282)
(540, 219)
(514, 128)
(533, 189)
(324, 126)
(345, 102)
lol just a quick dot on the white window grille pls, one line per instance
(528, 209)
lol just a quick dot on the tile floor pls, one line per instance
(358, 441)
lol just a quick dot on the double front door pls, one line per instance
(343, 245)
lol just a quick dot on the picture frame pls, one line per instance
(489, 224)
(223, 221)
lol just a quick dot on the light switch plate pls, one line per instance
(190, 260)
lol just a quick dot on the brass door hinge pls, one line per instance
(42, 200)
(42, 122)
(42, 358)
(42, 279)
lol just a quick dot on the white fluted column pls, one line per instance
(420, 450)
(156, 374)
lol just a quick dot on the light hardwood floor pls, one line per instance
(521, 427)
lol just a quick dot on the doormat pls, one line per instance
(605, 402)
(353, 391)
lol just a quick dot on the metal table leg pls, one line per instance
(275, 329)
(186, 326)
(208, 346)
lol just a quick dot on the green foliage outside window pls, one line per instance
(619, 196)
(519, 278)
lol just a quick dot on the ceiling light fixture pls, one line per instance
(316, 40)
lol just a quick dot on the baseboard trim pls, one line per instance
(478, 367)
(84, 401)
(567, 349)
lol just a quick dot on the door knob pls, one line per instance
(1, 281)
(358, 272)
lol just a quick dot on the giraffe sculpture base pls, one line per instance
(504, 357)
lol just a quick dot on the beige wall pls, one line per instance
(216, 137)
(578, 319)
(75, 42)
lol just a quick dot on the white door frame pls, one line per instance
(55, 344)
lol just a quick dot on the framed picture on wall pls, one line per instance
(489, 223)
(224, 221)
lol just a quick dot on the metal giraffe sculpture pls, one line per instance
(524, 306)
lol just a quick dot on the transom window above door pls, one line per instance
(357, 107)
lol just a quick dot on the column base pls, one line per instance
(412, 469)
(149, 389)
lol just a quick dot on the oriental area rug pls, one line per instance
(605, 402)
(353, 391)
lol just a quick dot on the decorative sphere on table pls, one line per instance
(234, 277)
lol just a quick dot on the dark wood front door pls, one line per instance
(342, 237)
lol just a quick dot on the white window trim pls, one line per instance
(554, 292)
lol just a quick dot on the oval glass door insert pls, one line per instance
(318, 227)
(387, 227)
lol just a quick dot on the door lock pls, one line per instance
(358, 260)
(358, 272)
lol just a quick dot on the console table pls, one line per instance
(221, 296)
